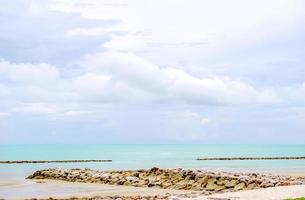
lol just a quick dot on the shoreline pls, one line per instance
(109, 192)
(59, 188)
(62, 189)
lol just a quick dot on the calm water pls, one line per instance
(147, 156)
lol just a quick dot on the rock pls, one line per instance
(197, 180)
(166, 184)
(105, 176)
(197, 187)
(212, 180)
(266, 184)
(181, 185)
(281, 183)
(39, 177)
(131, 179)
(214, 187)
(240, 186)
(154, 169)
(126, 183)
(231, 183)
(199, 176)
(222, 182)
(251, 186)
(203, 181)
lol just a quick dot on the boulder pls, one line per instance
(214, 187)
(181, 185)
(131, 179)
(222, 182)
(240, 186)
(251, 186)
(231, 183)
(266, 184)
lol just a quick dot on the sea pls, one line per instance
(150, 155)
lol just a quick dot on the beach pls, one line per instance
(64, 190)
(152, 100)
(14, 185)
(61, 189)
(44, 189)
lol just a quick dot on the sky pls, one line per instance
(154, 71)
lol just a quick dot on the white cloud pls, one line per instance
(160, 22)
(4, 114)
(35, 108)
(76, 113)
(86, 32)
(116, 77)
(204, 121)
(192, 116)
(28, 73)
(50, 111)
(175, 85)
(154, 66)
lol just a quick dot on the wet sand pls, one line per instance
(275, 193)
(60, 189)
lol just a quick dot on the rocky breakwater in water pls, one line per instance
(180, 179)
(48, 161)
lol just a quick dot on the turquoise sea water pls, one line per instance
(147, 156)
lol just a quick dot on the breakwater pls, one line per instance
(179, 179)
(254, 158)
(49, 161)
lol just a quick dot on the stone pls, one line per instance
(222, 182)
(197, 187)
(214, 187)
(199, 176)
(231, 183)
(240, 186)
(131, 179)
(266, 184)
(166, 184)
(251, 186)
(212, 180)
(126, 183)
(181, 179)
(203, 181)
(154, 169)
(181, 185)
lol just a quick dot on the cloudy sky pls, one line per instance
(155, 71)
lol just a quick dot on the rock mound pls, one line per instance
(180, 179)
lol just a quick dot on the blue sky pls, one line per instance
(134, 71)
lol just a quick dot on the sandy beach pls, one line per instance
(45, 188)
(63, 190)
(275, 193)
